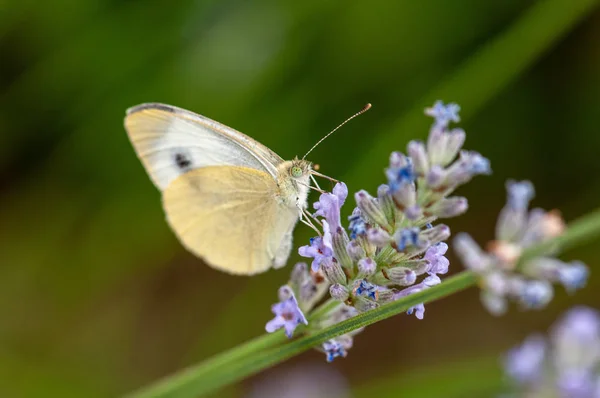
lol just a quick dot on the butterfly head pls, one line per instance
(299, 168)
(294, 181)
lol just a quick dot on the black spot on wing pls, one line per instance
(182, 161)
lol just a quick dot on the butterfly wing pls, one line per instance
(171, 141)
(231, 217)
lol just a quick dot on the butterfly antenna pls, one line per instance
(363, 110)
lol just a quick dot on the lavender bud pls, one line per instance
(363, 304)
(574, 276)
(339, 292)
(413, 213)
(418, 154)
(470, 253)
(340, 242)
(401, 276)
(455, 141)
(536, 294)
(436, 141)
(385, 296)
(421, 266)
(366, 267)
(443, 145)
(285, 292)
(436, 176)
(370, 209)
(299, 274)
(355, 250)
(519, 194)
(405, 196)
(466, 167)
(450, 207)
(378, 237)
(334, 272)
(308, 290)
(384, 198)
(435, 235)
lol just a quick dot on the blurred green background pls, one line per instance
(98, 297)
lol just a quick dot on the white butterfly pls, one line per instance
(230, 200)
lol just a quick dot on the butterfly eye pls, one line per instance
(296, 171)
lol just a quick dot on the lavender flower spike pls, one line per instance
(501, 273)
(288, 314)
(393, 245)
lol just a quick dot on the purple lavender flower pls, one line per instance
(438, 264)
(418, 310)
(329, 205)
(334, 349)
(444, 114)
(364, 288)
(288, 314)
(320, 249)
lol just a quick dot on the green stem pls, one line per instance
(265, 351)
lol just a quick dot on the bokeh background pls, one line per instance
(98, 298)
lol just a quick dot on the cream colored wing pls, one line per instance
(171, 141)
(231, 216)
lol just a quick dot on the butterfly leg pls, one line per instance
(305, 219)
(315, 181)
